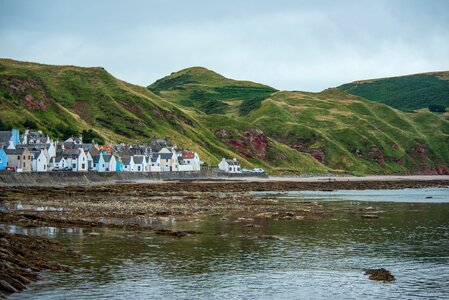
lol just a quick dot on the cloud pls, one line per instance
(289, 45)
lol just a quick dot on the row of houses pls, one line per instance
(34, 152)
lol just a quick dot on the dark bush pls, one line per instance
(437, 108)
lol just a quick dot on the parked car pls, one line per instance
(259, 170)
(9, 168)
(67, 169)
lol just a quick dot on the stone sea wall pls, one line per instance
(83, 178)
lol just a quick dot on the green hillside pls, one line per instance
(405, 92)
(210, 92)
(283, 132)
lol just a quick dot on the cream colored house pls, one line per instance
(169, 160)
(19, 159)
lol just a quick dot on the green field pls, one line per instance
(405, 92)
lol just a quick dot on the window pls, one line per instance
(29, 157)
(24, 165)
(24, 157)
(83, 166)
(18, 157)
(0, 159)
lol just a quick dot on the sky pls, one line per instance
(290, 45)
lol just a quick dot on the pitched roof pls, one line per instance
(14, 151)
(35, 153)
(5, 136)
(126, 160)
(33, 146)
(96, 159)
(138, 159)
(154, 157)
(188, 155)
(107, 158)
(58, 158)
(71, 152)
(166, 155)
(232, 162)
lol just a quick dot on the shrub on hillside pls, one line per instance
(437, 108)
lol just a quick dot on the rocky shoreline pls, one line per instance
(23, 257)
(132, 205)
(139, 206)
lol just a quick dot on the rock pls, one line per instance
(380, 274)
(176, 233)
(6, 287)
(268, 237)
(370, 217)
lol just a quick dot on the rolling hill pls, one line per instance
(210, 92)
(281, 131)
(404, 92)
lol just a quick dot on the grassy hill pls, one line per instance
(210, 92)
(405, 92)
(284, 132)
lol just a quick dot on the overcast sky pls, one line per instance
(294, 45)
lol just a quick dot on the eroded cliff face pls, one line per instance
(252, 143)
(30, 93)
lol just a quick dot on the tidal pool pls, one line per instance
(311, 259)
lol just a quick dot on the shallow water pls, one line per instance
(313, 258)
(428, 195)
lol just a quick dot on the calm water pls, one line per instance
(313, 259)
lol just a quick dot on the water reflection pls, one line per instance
(315, 258)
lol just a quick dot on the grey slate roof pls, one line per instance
(232, 162)
(71, 152)
(138, 159)
(107, 158)
(126, 160)
(35, 154)
(5, 136)
(96, 159)
(58, 158)
(14, 151)
(166, 155)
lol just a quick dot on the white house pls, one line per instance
(76, 159)
(90, 159)
(128, 163)
(189, 161)
(140, 163)
(59, 162)
(39, 161)
(154, 163)
(111, 163)
(230, 166)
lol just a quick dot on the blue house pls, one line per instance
(99, 163)
(119, 165)
(15, 136)
(12, 135)
(3, 159)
